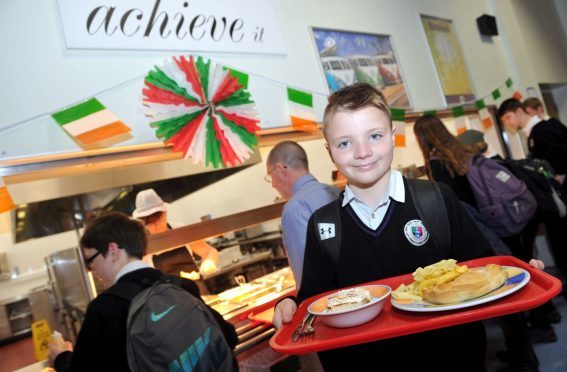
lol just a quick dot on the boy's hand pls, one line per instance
(56, 347)
(538, 264)
(284, 312)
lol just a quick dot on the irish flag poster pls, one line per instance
(301, 110)
(90, 123)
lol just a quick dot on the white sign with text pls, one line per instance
(239, 26)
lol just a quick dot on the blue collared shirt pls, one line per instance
(372, 217)
(308, 195)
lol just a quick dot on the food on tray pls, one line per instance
(473, 283)
(348, 299)
(437, 273)
(446, 282)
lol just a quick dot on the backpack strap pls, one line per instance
(128, 290)
(173, 279)
(329, 213)
(432, 210)
(430, 207)
(123, 289)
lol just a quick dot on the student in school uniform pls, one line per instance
(383, 236)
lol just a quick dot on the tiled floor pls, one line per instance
(16, 355)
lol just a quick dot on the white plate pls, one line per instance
(513, 284)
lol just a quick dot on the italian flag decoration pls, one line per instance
(203, 110)
(90, 122)
(301, 110)
(485, 116)
(460, 119)
(6, 202)
(399, 122)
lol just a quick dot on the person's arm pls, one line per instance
(551, 144)
(208, 254)
(318, 276)
(318, 272)
(85, 355)
(294, 226)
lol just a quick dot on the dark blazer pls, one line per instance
(548, 141)
(101, 344)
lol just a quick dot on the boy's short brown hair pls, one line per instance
(355, 97)
(533, 102)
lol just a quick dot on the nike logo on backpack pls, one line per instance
(156, 317)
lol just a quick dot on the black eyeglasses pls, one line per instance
(89, 261)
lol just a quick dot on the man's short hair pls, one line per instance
(533, 102)
(119, 228)
(291, 154)
(355, 97)
(510, 105)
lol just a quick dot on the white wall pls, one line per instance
(537, 38)
(560, 98)
(43, 76)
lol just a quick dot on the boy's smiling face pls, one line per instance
(361, 144)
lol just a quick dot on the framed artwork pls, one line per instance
(449, 60)
(348, 57)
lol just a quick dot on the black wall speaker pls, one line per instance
(487, 25)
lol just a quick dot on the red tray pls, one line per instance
(393, 322)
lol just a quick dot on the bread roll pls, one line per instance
(474, 283)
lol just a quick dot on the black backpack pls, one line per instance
(538, 176)
(430, 208)
(169, 329)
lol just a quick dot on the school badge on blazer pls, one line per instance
(416, 233)
(326, 230)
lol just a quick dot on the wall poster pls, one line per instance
(348, 57)
(449, 60)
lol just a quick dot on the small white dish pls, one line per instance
(353, 316)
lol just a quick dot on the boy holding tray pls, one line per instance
(382, 235)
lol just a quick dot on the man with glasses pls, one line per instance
(288, 172)
(113, 246)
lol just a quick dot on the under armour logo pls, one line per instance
(326, 230)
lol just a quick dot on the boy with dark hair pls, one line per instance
(112, 246)
(547, 139)
(380, 238)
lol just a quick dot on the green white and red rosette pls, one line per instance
(202, 110)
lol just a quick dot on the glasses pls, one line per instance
(268, 177)
(89, 261)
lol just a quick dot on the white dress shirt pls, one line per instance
(373, 217)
